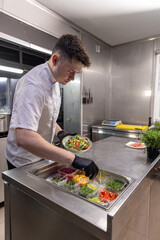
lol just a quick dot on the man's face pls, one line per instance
(64, 70)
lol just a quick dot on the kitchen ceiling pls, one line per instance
(115, 21)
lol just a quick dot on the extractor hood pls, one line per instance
(13, 30)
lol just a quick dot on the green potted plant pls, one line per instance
(151, 138)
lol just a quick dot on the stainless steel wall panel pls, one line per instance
(96, 80)
(131, 81)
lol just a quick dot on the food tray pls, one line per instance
(95, 191)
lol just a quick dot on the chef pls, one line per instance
(36, 107)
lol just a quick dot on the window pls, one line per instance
(32, 60)
(4, 96)
(9, 54)
(21, 56)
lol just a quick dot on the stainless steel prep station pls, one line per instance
(36, 209)
(100, 132)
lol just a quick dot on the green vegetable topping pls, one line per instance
(95, 199)
(69, 185)
(84, 191)
(57, 179)
(115, 184)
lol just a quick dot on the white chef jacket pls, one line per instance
(36, 107)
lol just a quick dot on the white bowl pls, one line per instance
(65, 139)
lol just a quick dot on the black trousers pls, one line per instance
(10, 166)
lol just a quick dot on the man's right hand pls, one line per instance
(62, 134)
(87, 165)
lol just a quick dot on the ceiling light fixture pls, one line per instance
(148, 93)
(150, 39)
(11, 69)
(24, 43)
(40, 49)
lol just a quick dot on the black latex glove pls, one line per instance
(62, 134)
(87, 165)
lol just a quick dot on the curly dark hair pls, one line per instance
(70, 46)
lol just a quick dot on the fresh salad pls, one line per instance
(69, 185)
(84, 191)
(115, 184)
(77, 143)
(102, 191)
(57, 179)
(107, 196)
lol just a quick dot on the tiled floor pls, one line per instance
(1, 222)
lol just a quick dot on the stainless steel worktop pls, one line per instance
(101, 131)
(100, 126)
(110, 154)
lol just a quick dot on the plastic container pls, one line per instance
(115, 184)
(87, 192)
(81, 179)
(55, 178)
(109, 197)
(66, 171)
(70, 185)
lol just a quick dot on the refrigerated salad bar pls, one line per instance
(49, 200)
(103, 191)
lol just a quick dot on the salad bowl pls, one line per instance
(77, 143)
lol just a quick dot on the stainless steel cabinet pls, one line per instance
(3, 166)
(100, 132)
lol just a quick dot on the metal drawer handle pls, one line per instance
(2, 118)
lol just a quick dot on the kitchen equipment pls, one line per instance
(4, 122)
(51, 210)
(100, 132)
(104, 177)
(111, 122)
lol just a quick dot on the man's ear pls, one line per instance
(55, 59)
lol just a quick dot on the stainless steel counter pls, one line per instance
(100, 132)
(89, 220)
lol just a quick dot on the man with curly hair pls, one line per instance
(36, 108)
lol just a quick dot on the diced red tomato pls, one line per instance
(77, 143)
(105, 196)
(86, 147)
(103, 191)
(116, 195)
